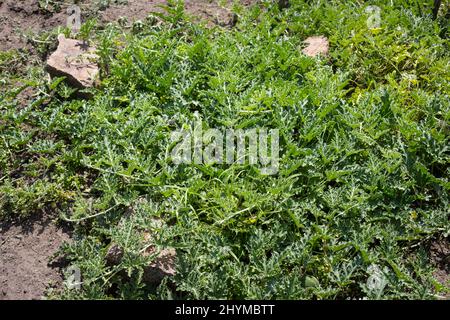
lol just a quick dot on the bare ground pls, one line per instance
(19, 19)
(440, 256)
(25, 253)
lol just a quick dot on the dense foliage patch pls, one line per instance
(364, 154)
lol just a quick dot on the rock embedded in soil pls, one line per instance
(163, 265)
(315, 46)
(114, 255)
(76, 61)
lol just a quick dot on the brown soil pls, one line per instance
(25, 251)
(440, 255)
(21, 18)
(18, 18)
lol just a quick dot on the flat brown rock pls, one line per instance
(315, 46)
(162, 265)
(76, 61)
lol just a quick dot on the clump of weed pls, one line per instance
(364, 157)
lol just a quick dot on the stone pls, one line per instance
(315, 46)
(163, 265)
(75, 60)
(114, 255)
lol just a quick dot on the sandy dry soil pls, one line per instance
(440, 255)
(25, 250)
(18, 18)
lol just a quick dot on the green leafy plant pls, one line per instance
(364, 146)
